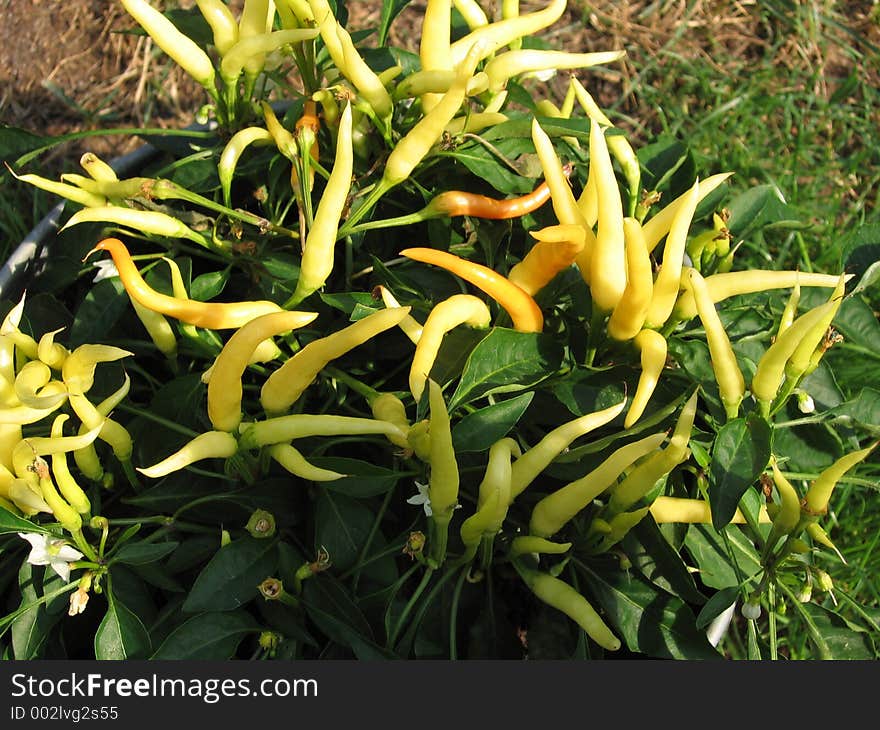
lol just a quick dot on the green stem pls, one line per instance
(149, 415)
(410, 604)
(401, 220)
(369, 541)
(84, 546)
(453, 614)
(373, 197)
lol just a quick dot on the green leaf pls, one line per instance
(835, 638)
(15, 142)
(140, 553)
(862, 411)
(207, 286)
(390, 10)
(477, 431)
(362, 479)
(758, 208)
(121, 634)
(11, 523)
(487, 165)
(342, 525)
(231, 577)
(207, 636)
(32, 627)
(708, 550)
(666, 162)
(739, 456)
(506, 361)
(101, 308)
(860, 255)
(648, 620)
(332, 610)
(717, 605)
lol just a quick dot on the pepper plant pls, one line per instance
(396, 358)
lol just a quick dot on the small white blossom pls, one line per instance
(106, 270)
(805, 402)
(78, 602)
(421, 498)
(46, 550)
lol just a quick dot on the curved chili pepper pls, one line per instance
(318, 252)
(652, 346)
(444, 476)
(722, 286)
(434, 46)
(523, 310)
(67, 485)
(283, 387)
(819, 492)
(283, 429)
(409, 324)
(222, 22)
(731, 384)
(685, 510)
(210, 315)
(524, 544)
(552, 512)
(628, 316)
(527, 467)
(456, 310)
(388, 407)
(294, 462)
(560, 595)
(224, 385)
(556, 250)
(208, 445)
(799, 361)
(241, 56)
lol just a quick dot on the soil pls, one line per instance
(75, 65)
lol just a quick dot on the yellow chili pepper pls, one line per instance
(67, 516)
(208, 445)
(473, 14)
(434, 83)
(434, 45)
(642, 478)
(225, 386)
(788, 514)
(560, 595)
(444, 476)
(523, 310)
(210, 315)
(722, 286)
(388, 407)
(474, 123)
(293, 461)
(819, 492)
(33, 376)
(556, 250)
(364, 79)
(525, 544)
(318, 254)
(526, 468)
(233, 151)
(157, 327)
(78, 371)
(790, 311)
(507, 65)
(184, 51)
(799, 361)
(652, 346)
(67, 485)
(144, 221)
(222, 23)
(731, 384)
(283, 387)
(457, 310)
(555, 510)
(628, 316)
(564, 204)
(669, 277)
(409, 325)
(284, 429)
(50, 352)
(69, 192)
(496, 35)
(694, 511)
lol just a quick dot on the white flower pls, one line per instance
(78, 602)
(106, 270)
(422, 498)
(46, 550)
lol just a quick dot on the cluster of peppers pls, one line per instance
(638, 298)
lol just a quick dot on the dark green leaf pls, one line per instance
(863, 410)
(207, 636)
(11, 523)
(505, 361)
(342, 525)
(101, 308)
(739, 456)
(121, 634)
(32, 627)
(231, 578)
(139, 553)
(860, 255)
(477, 431)
(648, 620)
(207, 286)
(363, 479)
(707, 548)
(390, 10)
(717, 605)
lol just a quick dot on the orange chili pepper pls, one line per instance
(210, 315)
(523, 310)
